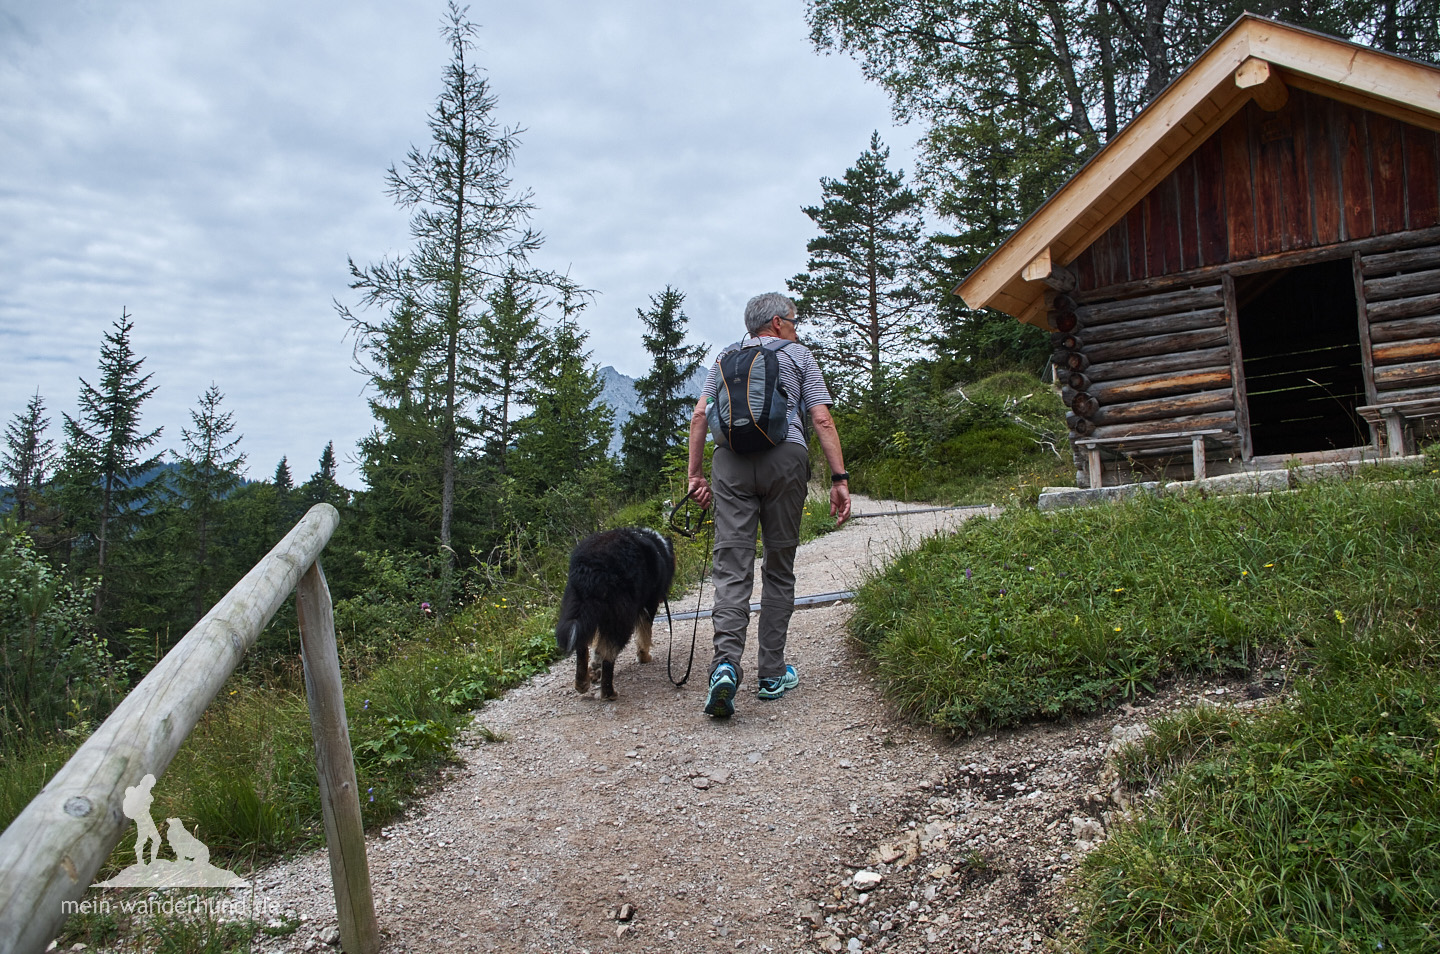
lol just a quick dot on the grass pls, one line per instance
(1312, 826)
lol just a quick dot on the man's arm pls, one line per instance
(699, 486)
(830, 444)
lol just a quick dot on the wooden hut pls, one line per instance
(1249, 272)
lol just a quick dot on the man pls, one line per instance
(768, 486)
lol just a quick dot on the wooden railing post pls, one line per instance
(339, 795)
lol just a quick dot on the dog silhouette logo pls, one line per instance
(191, 867)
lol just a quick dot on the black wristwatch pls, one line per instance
(836, 478)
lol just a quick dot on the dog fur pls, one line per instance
(617, 580)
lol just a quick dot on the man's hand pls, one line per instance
(700, 492)
(840, 502)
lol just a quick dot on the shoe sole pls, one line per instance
(720, 701)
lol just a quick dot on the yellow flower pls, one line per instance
(1269, 565)
(1244, 572)
(1119, 589)
(1117, 629)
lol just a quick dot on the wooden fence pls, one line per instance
(52, 851)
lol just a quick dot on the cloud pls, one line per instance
(210, 167)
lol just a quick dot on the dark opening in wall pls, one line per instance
(1300, 337)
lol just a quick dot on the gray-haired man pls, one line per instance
(768, 487)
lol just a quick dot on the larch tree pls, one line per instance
(664, 404)
(470, 229)
(861, 299)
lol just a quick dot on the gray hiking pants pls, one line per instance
(769, 487)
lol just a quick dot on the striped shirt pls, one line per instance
(799, 374)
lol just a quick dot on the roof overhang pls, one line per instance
(1254, 59)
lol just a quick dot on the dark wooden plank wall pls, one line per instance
(1311, 174)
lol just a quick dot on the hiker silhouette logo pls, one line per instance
(191, 867)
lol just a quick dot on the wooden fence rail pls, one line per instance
(52, 851)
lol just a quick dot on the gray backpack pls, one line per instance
(750, 412)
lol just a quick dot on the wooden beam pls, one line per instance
(1264, 83)
(1044, 270)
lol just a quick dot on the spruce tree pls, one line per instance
(568, 429)
(664, 405)
(509, 341)
(28, 457)
(209, 471)
(323, 487)
(861, 299)
(282, 480)
(106, 453)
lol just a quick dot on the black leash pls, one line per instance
(688, 531)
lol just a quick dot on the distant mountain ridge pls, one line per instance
(618, 394)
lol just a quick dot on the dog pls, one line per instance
(187, 847)
(617, 580)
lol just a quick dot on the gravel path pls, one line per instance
(644, 825)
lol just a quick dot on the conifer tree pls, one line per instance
(664, 405)
(568, 429)
(209, 471)
(28, 456)
(470, 229)
(861, 300)
(509, 341)
(282, 480)
(323, 487)
(106, 453)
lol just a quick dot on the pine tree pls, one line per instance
(209, 472)
(105, 456)
(861, 297)
(471, 231)
(28, 457)
(664, 405)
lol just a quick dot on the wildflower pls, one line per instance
(1119, 589)
(371, 793)
(1269, 565)
(366, 705)
(967, 573)
(1244, 572)
(1117, 629)
(1340, 617)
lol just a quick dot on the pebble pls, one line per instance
(866, 880)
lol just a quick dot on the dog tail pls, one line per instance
(567, 632)
(576, 625)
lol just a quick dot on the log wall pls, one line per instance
(1315, 173)
(1148, 365)
(1401, 295)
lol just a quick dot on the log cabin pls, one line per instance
(1248, 274)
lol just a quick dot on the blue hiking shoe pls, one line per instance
(775, 688)
(720, 700)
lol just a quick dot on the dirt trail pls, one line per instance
(728, 835)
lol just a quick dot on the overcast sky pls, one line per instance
(211, 166)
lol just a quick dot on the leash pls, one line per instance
(688, 531)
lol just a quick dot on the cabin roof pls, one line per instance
(1254, 58)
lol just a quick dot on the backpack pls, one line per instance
(750, 412)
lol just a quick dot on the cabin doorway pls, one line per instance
(1300, 338)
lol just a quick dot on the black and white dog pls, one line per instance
(617, 580)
